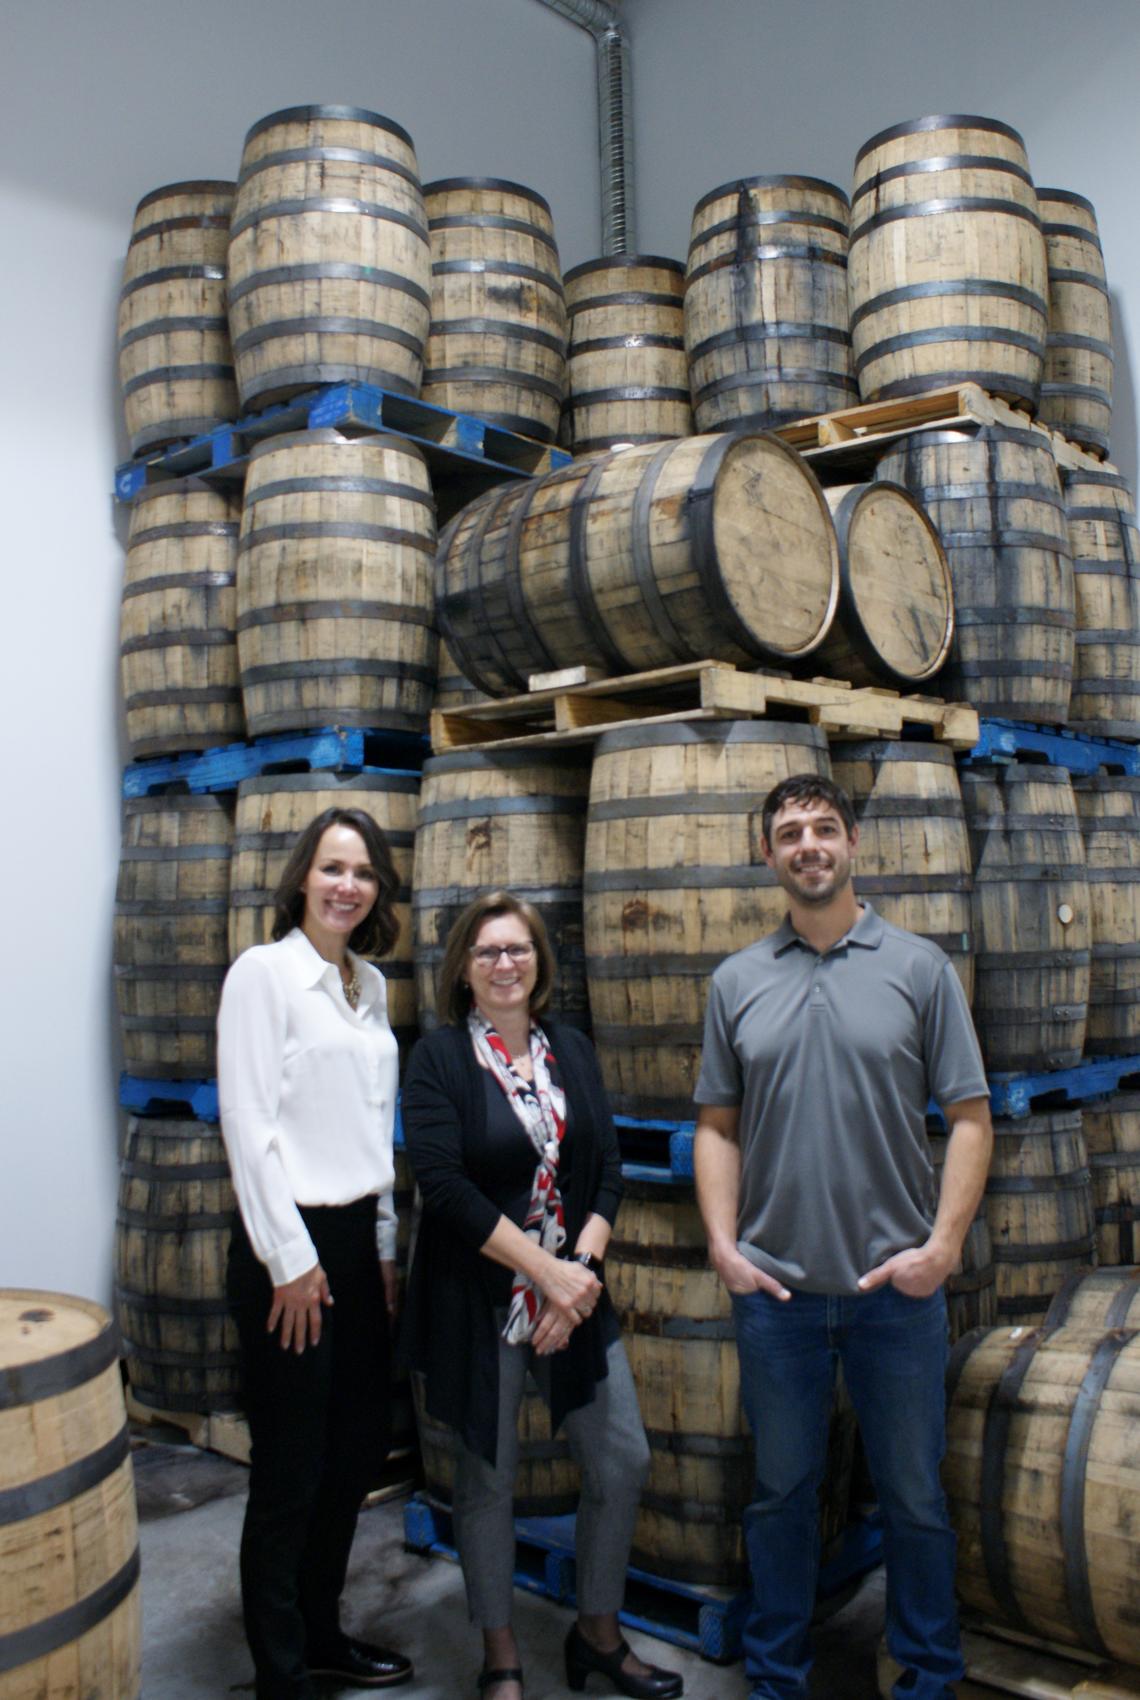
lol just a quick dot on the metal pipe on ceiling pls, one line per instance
(615, 129)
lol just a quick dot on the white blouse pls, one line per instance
(307, 1094)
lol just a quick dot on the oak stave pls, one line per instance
(716, 547)
(177, 624)
(675, 880)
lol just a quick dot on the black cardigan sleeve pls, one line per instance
(435, 1090)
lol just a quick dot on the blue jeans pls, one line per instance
(893, 1350)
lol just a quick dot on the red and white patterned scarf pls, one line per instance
(541, 1108)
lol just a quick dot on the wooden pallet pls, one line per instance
(1001, 1662)
(575, 708)
(846, 444)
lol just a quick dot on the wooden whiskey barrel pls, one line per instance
(971, 1291)
(948, 277)
(1031, 916)
(718, 546)
(1042, 1481)
(1076, 391)
(329, 263)
(1039, 1206)
(677, 1329)
(69, 1553)
(627, 379)
(170, 932)
(1108, 808)
(1105, 545)
(177, 625)
(547, 1482)
(996, 501)
(497, 343)
(1112, 1134)
(766, 328)
(334, 584)
(675, 880)
(271, 813)
(913, 860)
(452, 687)
(1094, 1301)
(512, 819)
(895, 617)
(172, 1234)
(176, 367)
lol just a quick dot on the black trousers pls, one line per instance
(318, 1426)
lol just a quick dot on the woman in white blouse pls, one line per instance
(307, 1073)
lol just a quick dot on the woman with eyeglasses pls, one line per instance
(513, 1146)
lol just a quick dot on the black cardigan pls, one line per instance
(450, 1333)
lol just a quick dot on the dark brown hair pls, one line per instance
(806, 788)
(376, 934)
(453, 997)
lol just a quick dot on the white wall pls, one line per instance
(98, 105)
(733, 88)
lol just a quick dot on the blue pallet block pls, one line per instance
(1005, 740)
(344, 749)
(1014, 1094)
(160, 1097)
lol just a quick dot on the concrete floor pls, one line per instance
(190, 1510)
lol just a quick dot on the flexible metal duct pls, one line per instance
(614, 122)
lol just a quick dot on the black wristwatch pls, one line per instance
(592, 1263)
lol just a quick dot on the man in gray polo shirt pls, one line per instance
(823, 1046)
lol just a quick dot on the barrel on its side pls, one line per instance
(948, 277)
(627, 376)
(766, 328)
(1076, 391)
(996, 500)
(675, 879)
(271, 813)
(329, 263)
(1094, 1301)
(513, 819)
(177, 625)
(1105, 544)
(1039, 1205)
(1031, 916)
(172, 1233)
(914, 850)
(1043, 1483)
(719, 546)
(334, 584)
(170, 932)
(896, 603)
(497, 343)
(69, 1553)
(176, 366)
(1112, 1134)
(677, 1328)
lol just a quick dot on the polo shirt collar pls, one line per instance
(867, 932)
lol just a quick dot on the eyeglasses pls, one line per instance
(487, 955)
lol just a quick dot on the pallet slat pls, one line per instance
(1001, 1662)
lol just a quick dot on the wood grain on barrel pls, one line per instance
(1112, 1134)
(947, 262)
(329, 263)
(627, 375)
(895, 617)
(1105, 544)
(176, 367)
(1108, 808)
(497, 343)
(1076, 391)
(334, 584)
(177, 624)
(1039, 1205)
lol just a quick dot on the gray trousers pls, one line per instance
(607, 1441)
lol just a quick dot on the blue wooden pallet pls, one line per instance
(708, 1621)
(1006, 740)
(167, 1097)
(455, 445)
(658, 1150)
(344, 749)
(1019, 1094)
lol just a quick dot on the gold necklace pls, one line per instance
(351, 988)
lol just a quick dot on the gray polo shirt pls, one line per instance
(832, 1060)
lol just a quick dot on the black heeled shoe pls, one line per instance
(486, 1677)
(581, 1659)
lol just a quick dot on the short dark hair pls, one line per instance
(453, 997)
(378, 931)
(806, 788)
